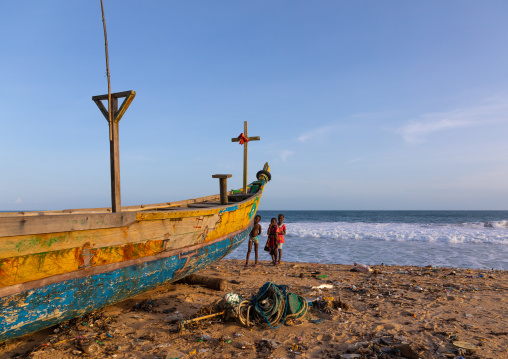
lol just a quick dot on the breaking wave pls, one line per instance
(495, 232)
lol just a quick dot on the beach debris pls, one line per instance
(273, 305)
(181, 325)
(174, 318)
(232, 299)
(323, 286)
(350, 356)
(245, 345)
(465, 345)
(146, 306)
(356, 346)
(327, 304)
(174, 355)
(406, 351)
(388, 341)
(272, 343)
(264, 348)
(225, 307)
(361, 268)
(208, 282)
(88, 346)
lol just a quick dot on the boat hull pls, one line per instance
(55, 266)
(49, 305)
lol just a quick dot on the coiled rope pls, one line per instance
(273, 305)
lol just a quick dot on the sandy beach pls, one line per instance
(412, 312)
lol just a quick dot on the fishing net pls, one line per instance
(272, 305)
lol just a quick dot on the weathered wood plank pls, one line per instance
(16, 226)
(116, 94)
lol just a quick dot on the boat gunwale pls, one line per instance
(177, 205)
(57, 222)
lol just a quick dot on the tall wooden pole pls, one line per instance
(116, 205)
(114, 151)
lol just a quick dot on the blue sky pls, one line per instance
(359, 104)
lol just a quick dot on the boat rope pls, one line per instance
(273, 305)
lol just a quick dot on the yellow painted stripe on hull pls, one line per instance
(149, 226)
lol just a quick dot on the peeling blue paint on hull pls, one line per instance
(40, 308)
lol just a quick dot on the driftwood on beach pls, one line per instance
(208, 282)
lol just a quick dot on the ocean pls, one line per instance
(464, 239)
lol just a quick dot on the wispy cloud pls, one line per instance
(317, 132)
(285, 154)
(416, 130)
(354, 160)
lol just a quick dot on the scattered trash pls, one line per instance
(272, 343)
(361, 268)
(182, 324)
(174, 318)
(323, 286)
(317, 321)
(465, 345)
(145, 306)
(406, 351)
(88, 346)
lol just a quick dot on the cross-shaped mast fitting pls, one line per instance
(244, 139)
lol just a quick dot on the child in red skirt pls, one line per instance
(273, 234)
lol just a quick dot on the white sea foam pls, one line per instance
(473, 245)
(493, 232)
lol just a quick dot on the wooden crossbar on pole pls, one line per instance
(245, 151)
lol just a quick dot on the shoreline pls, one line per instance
(425, 308)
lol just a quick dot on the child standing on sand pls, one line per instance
(253, 238)
(281, 233)
(272, 239)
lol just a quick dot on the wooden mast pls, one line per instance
(114, 149)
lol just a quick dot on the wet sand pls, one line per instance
(411, 312)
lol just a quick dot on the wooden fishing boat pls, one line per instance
(57, 265)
